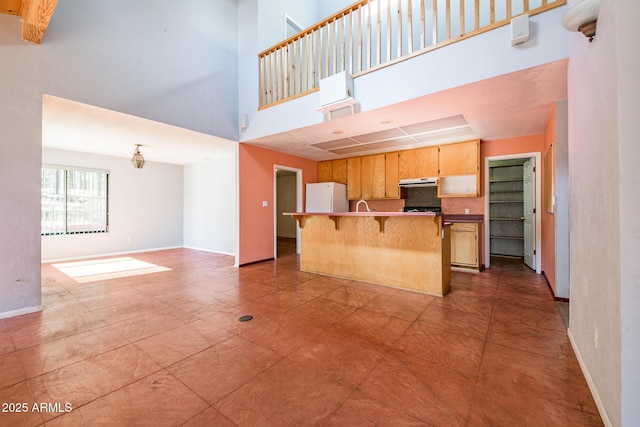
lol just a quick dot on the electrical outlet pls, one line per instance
(466, 211)
(265, 204)
(595, 337)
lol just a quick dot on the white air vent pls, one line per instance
(519, 29)
(336, 95)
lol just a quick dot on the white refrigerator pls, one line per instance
(326, 197)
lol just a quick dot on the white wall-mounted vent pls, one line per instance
(336, 96)
(519, 29)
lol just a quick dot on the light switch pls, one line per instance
(265, 204)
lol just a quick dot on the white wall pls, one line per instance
(605, 200)
(271, 19)
(210, 208)
(169, 62)
(145, 208)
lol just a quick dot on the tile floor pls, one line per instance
(166, 349)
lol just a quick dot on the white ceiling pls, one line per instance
(512, 105)
(69, 125)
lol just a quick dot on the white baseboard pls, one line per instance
(195, 248)
(20, 312)
(590, 383)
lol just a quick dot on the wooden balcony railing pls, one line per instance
(372, 34)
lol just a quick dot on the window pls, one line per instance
(74, 200)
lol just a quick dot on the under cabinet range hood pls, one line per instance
(418, 182)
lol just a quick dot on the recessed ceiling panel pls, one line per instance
(461, 134)
(435, 125)
(393, 143)
(352, 150)
(336, 143)
(380, 136)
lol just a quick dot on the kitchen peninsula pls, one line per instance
(408, 250)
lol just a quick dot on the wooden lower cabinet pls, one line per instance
(465, 245)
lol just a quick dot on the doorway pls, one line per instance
(513, 223)
(288, 198)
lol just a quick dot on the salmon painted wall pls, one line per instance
(256, 184)
(503, 147)
(548, 220)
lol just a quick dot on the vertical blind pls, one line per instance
(74, 200)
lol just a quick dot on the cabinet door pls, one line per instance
(392, 191)
(419, 163)
(354, 179)
(459, 159)
(325, 171)
(339, 171)
(464, 245)
(373, 177)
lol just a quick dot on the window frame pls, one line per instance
(66, 170)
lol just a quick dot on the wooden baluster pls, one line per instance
(389, 37)
(448, 18)
(492, 11)
(409, 27)
(509, 9)
(281, 76)
(399, 53)
(313, 60)
(335, 46)
(435, 20)
(423, 24)
(369, 34)
(526, 5)
(350, 53)
(379, 34)
(343, 44)
(476, 13)
(359, 53)
(462, 23)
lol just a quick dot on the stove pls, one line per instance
(422, 209)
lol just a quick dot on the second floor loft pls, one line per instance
(372, 34)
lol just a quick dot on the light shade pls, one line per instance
(582, 17)
(137, 160)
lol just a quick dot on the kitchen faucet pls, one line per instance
(366, 205)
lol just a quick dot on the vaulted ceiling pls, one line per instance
(35, 15)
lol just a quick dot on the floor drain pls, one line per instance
(245, 318)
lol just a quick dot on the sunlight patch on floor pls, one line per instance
(111, 268)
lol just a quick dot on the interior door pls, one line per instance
(529, 217)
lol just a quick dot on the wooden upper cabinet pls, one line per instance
(418, 163)
(325, 171)
(392, 191)
(373, 177)
(333, 171)
(460, 159)
(354, 178)
(340, 171)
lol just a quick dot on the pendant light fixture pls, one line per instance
(137, 160)
(582, 17)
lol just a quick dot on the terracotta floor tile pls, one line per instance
(431, 392)
(282, 333)
(21, 415)
(551, 343)
(323, 312)
(508, 373)
(151, 324)
(344, 358)
(11, 371)
(157, 400)
(219, 370)
(457, 322)
(92, 378)
(455, 351)
(52, 355)
(285, 300)
(209, 418)
(130, 309)
(405, 305)
(34, 334)
(318, 286)
(177, 344)
(378, 329)
(275, 398)
(360, 410)
(351, 296)
(6, 344)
